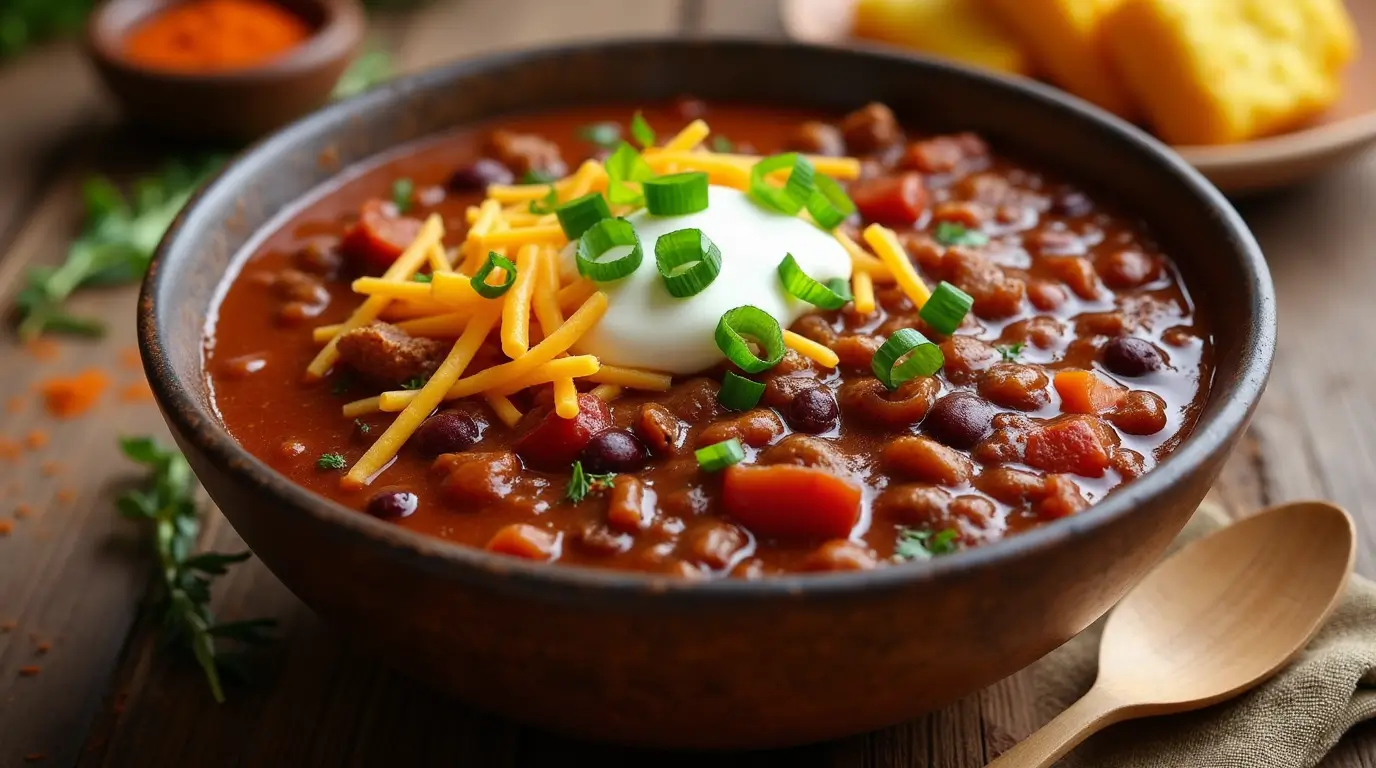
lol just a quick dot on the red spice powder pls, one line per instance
(42, 348)
(73, 396)
(36, 439)
(66, 495)
(31, 670)
(23, 511)
(50, 468)
(215, 36)
(137, 392)
(6, 527)
(14, 404)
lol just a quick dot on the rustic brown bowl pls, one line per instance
(239, 105)
(649, 659)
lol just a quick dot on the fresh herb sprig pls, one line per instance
(954, 233)
(115, 246)
(1010, 352)
(167, 500)
(923, 544)
(582, 483)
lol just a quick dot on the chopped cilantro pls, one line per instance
(641, 131)
(415, 382)
(363, 426)
(331, 461)
(582, 483)
(921, 544)
(403, 190)
(601, 134)
(951, 233)
(546, 204)
(1010, 352)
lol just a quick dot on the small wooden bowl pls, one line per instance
(238, 105)
(1253, 166)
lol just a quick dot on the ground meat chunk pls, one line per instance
(389, 356)
(659, 429)
(527, 153)
(996, 294)
(818, 139)
(946, 154)
(871, 128)
(754, 428)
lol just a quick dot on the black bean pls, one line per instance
(393, 505)
(1071, 202)
(480, 173)
(960, 420)
(447, 432)
(1130, 356)
(613, 450)
(812, 410)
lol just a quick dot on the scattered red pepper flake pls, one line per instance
(42, 348)
(23, 511)
(73, 396)
(10, 449)
(6, 527)
(31, 670)
(129, 358)
(137, 392)
(36, 439)
(14, 404)
(41, 647)
(66, 494)
(50, 468)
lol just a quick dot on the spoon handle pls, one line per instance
(1081, 720)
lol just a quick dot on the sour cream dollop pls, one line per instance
(645, 327)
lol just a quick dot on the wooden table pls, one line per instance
(74, 577)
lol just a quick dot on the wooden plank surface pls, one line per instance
(73, 575)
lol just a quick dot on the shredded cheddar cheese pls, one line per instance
(548, 233)
(505, 410)
(818, 353)
(516, 307)
(632, 378)
(689, 138)
(885, 243)
(862, 291)
(606, 392)
(862, 260)
(565, 398)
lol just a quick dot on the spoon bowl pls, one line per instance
(1218, 617)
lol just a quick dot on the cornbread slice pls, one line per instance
(956, 29)
(1226, 71)
(1065, 38)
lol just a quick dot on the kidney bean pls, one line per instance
(448, 431)
(813, 410)
(393, 505)
(613, 450)
(480, 174)
(556, 442)
(960, 419)
(1130, 356)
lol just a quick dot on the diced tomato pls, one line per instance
(891, 200)
(1085, 392)
(791, 501)
(1070, 445)
(380, 234)
(556, 442)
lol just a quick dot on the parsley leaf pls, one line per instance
(624, 165)
(641, 130)
(951, 233)
(331, 461)
(582, 483)
(403, 190)
(722, 144)
(1010, 352)
(537, 176)
(167, 500)
(604, 135)
(921, 544)
(546, 204)
(415, 382)
(367, 71)
(363, 426)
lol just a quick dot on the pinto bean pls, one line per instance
(807, 451)
(868, 399)
(695, 400)
(840, 555)
(815, 327)
(527, 153)
(870, 128)
(856, 351)
(1062, 497)
(1140, 413)
(779, 391)
(598, 539)
(946, 154)
(913, 504)
(1042, 331)
(926, 460)
(995, 293)
(1076, 272)
(1011, 486)
(714, 544)
(477, 478)
(1046, 296)
(1127, 268)
(754, 428)
(967, 358)
(1017, 386)
(978, 511)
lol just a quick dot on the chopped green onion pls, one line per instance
(688, 261)
(952, 233)
(677, 194)
(739, 393)
(946, 309)
(603, 237)
(719, 456)
(641, 130)
(794, 194)
(577, 215)
(841, 287)
(479, 280)
(601, 134)
(923, 358)
(625, 165)
(414, 383)
(546, 204)
(759, 325)
(829, 204)
(800, 286)
(402, 191)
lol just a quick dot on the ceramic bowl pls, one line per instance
(651, 660)
(233, 106)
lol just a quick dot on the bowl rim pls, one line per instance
(201, 426)
(337, 35)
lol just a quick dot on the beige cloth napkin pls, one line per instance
(1290, 721)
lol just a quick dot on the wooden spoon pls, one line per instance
(1220, 616)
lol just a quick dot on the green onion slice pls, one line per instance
(677, 194)
(800, 286)
(601, 238)
(626, 164)
(753, 322)
(945, 310)
(479, 280)
(547, 204)
(923, 358)
(577, 215)
(719, 456)
(794, 194)
(739, 393)
(829, 204)
(403, 190)
(688, 261)
(641, 130)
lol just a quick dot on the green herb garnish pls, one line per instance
(921, 544)
(951, 233)
(582, 483)
(331, 461)
(625, 165)
(403, 190)
(604, 135)
(421, 277)
(415, 382)
(1010, 352)
(369, 70)
(546, 204)
(537, 176)
(167, 499)
(722, 144)
(363, 426)
(641, 131)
